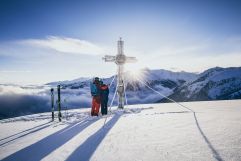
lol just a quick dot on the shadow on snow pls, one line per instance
(34, 129)
(42, 148)
(86, 149)
(24, 131)
(216, 155)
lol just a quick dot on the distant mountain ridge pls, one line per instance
(161, 80)
(213, 84)
(81, 79)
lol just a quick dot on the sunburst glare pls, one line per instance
(134, 77)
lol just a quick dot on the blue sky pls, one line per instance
(49, 40)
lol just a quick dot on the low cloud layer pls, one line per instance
(22, 100)
(19, 100)
(19, 104)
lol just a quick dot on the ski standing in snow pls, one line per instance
(52, 102)
(59, 104)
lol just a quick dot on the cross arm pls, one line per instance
(131, 59)
(109, 58)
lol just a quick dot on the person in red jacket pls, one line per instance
(104, 93)
(95, 92)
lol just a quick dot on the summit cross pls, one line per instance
(120, 59)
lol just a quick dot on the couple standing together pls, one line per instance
(100, 93)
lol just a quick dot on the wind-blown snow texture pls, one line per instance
(141, 132)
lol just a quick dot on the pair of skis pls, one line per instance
(58, 102)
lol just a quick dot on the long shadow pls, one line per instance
(215, 153)
(42, 148)
(33, 131)
(24, 131)
(86, 149)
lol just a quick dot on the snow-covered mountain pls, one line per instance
(81, 79)
(161, 80)
(213, 84)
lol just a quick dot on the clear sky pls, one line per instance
(50, 40)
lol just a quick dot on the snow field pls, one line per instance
(141, 132)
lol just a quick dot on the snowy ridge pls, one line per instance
(68, 81)
(175, 76)
(161, 80)
(213, 84)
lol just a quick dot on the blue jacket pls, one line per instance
(95, 91)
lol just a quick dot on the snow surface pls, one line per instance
(140, 132)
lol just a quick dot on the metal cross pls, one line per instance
(120, 59)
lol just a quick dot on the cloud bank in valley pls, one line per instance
(22, 100)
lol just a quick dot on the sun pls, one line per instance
(135, 76)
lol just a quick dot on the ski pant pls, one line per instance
(95, 106)
(104, 103)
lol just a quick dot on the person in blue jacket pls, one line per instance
(95, 92)
(104, 94)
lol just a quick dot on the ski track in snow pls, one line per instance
(212, 131)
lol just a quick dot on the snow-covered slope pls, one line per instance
(142, 132)
(213, 84)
